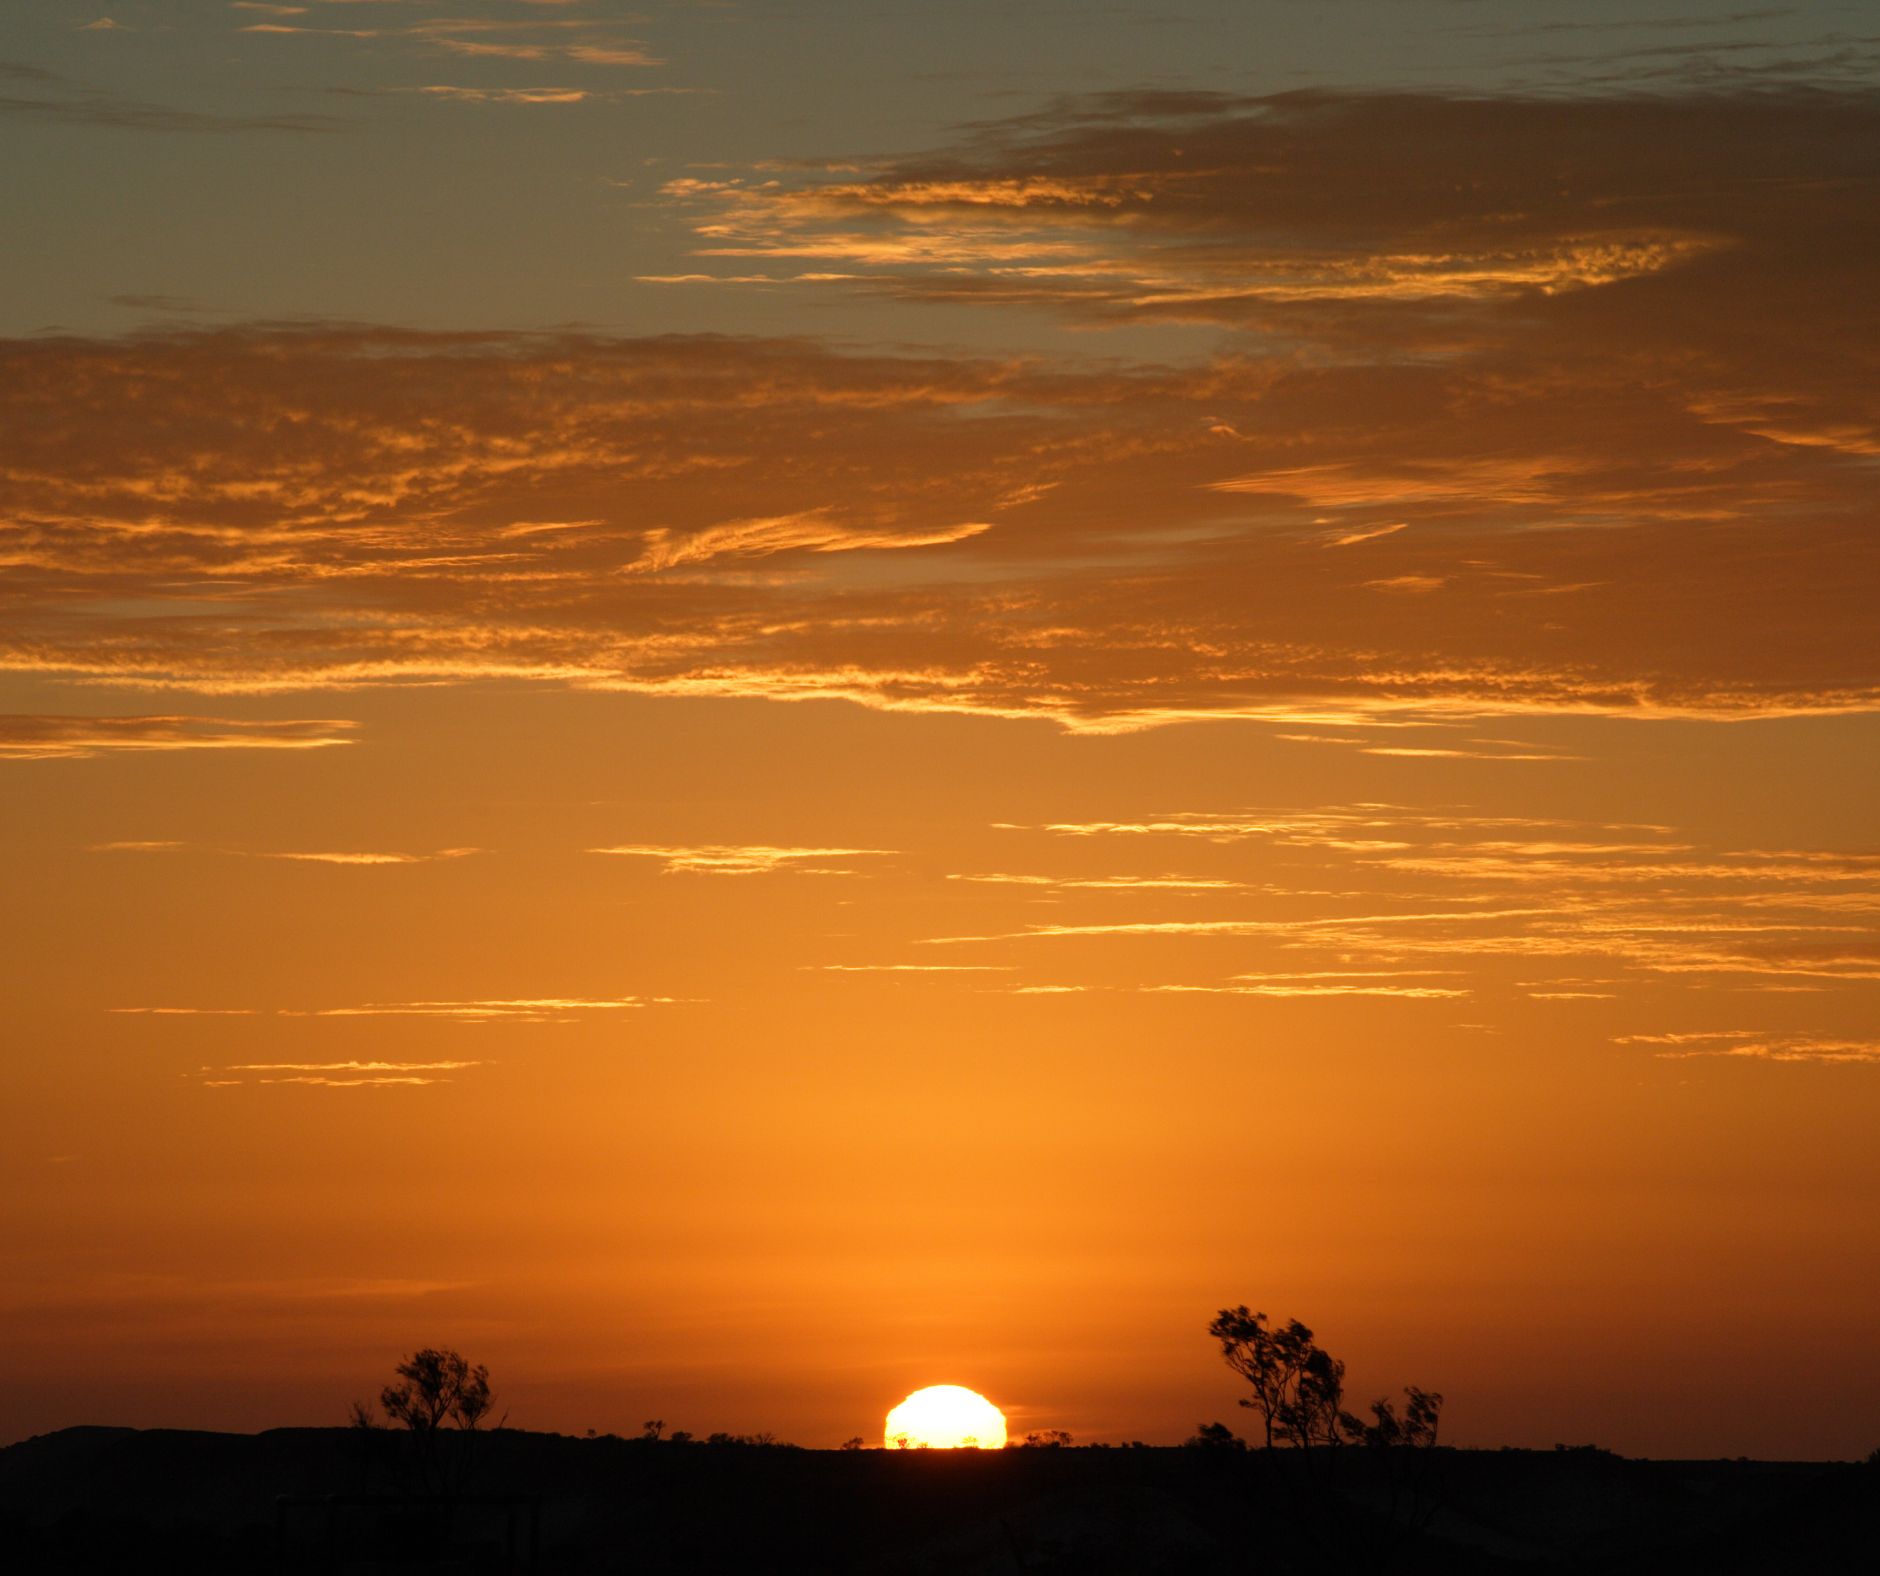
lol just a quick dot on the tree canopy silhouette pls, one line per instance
(435, 1393)
(435, 1388)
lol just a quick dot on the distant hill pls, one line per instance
(124, 1500)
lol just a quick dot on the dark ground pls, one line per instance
(123, 1500)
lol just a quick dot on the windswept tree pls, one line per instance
(1299, 1388)
(1315, 1412)
(1406, 1442)
(1272, 1361)
(1299, 1392)
(1415, 1429)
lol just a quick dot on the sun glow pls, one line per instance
(945, 1417)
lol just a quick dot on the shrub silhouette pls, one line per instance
(1047, 1439)
(1215, 1436)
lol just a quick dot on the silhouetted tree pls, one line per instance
(436, 1393)
(1416, 1429)
(1314, 1413)
(1272, 1361)
(1407, 1442)
(437, 1387)
(1046, 1439)
(652, 1428)
(853, 1442)
(1299, 1392)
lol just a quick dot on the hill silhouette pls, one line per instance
(300, 1499)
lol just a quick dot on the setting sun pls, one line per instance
(945, 1417)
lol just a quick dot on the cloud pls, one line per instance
(1289, 989)
(1379, 894)
(536, 96)
(1312, 212)
(373, 858)
(910, 968)
(1760, 1045)
(259, 510)
(1161, 883)
(1412, 585)
(47, 737)
(465, 95)
(333, 1075)
(538, 1009)
(528, 1009)
(336, 858)
(812, 530)
(725, 859)
(1446, 753)
(1364, 533)
(577, 41)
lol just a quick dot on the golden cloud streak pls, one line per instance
(41, 738)
(715, 859)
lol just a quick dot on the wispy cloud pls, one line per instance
(535, 97)
(812, 530)
(1384, 893)
(1157, 883)
(537, 1009)
(1759, 1045)
(373, 858)
(1365, 533)
(575, 40)
(1309, 988)
(171, 846)
(910, 968)
(334, 1075)
(756, 859)
(45, 737)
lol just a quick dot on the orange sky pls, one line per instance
(1095, 698)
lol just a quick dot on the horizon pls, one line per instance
(745, 706)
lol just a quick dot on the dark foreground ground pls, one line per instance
(306, 1500)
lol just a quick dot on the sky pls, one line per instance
(747, 705)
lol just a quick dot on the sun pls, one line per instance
(945, 1417)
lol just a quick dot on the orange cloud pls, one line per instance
(716, 859)
(41, 738)
(541, 1009)
(333, 1075)
(1101, 545)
